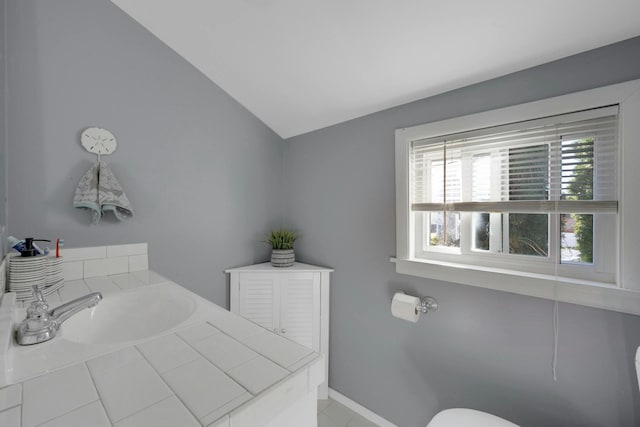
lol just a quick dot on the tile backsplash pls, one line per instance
(82, 263)
(95, 261)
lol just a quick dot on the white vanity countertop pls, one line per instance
(213, 369)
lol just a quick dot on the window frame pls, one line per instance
(624, 293)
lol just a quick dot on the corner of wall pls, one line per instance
(4, 134)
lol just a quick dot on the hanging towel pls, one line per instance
(100, 192)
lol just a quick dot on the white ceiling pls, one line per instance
(300, 65)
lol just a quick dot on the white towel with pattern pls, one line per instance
(100, 192)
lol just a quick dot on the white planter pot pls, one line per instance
(282, 257)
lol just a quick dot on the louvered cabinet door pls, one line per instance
(259, 299)
(300, 308)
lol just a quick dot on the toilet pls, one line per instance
(638, 365)
(461, 417)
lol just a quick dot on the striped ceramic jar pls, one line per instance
(282, 257)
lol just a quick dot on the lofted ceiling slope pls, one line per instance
(301, 65)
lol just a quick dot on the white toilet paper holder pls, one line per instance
(428, 304)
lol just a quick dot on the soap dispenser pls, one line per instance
(29, 250)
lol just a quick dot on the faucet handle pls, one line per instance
(37, 312)
(37, 294)
(38, 306)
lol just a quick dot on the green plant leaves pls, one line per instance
(281, 239)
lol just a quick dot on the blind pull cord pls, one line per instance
(556, 319)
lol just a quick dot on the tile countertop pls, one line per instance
(216, 370)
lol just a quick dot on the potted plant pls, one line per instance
(281, 242)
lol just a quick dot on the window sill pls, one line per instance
(581, 292)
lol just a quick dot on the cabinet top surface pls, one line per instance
(208, 387)
(266, 266)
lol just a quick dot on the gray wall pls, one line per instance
(201, 171)
(202, 175)
(483, 349)
(3, 140)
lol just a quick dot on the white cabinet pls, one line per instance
(292, 302)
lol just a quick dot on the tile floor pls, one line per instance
(334, 414)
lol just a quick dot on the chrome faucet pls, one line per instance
(41, 324)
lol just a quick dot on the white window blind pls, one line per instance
(524, 167)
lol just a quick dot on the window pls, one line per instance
(513, 196)
(536, 199)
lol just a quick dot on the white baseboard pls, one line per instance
(359, 409)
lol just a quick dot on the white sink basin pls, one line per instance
(121, 319)
(129, 316)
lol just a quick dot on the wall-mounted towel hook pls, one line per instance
(98, 141)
